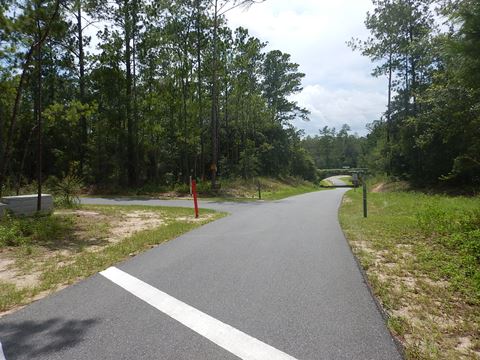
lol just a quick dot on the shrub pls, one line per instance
(67, 190)
(40, 229)
(10, 232)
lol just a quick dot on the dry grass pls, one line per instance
(95, 237)
(433, 310)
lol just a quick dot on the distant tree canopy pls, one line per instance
(166, 90)
(332, 149)
(169, 91)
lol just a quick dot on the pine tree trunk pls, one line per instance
(214, 121)
(128, 101)
(199, 95)
(38, 111)
(81, 65)
(5, 159)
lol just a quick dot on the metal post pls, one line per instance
(364, 197)
(195, 201)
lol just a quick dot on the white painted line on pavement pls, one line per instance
(238, 343)
(2, 355)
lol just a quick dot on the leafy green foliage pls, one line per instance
(248, 161)
(66, 190)
(430, 132)
(332, 149)
(46, 230)
(134, 112)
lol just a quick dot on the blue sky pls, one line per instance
(338, 86)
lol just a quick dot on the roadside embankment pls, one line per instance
(421, 254)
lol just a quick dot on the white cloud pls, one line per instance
(315, 32)
(333, 108)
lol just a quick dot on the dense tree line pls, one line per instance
(430, 53)
(332, 149)
(164, 90)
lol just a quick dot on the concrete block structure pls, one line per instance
(27, 204)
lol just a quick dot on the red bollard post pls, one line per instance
(195, 201)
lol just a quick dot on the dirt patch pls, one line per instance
(413, 296)
(5, 268)
(466, 346)
(79, 213)
(193, 219)
(378, 188)
(171, 195)
(10, 274)
(346, 200)
(92, 231)
(5, 261)
(36, 268)
(133, 222)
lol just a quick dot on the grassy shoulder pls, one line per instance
(40, 255)
(326, 183)
(230, 190)
(421, 254)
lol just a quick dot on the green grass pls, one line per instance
(10, 296)
(288, 191)
(326, 183)
(56, 268)
(422, 256)
(38, 229)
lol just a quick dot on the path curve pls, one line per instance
(336, 180)
(280, 272)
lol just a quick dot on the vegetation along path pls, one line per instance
(275, 280)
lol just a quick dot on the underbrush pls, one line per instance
(43, 229)
(453, 226)
(230, 188)
(270, 188)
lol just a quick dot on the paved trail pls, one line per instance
(337, 180)
(274, 280)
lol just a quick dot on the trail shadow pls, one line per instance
(30, 339)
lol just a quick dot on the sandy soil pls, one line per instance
(119, 228)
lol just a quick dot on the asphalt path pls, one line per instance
(336, 180)
(280, 273)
